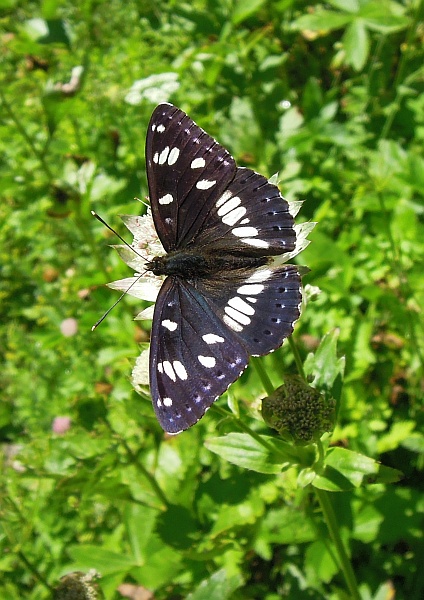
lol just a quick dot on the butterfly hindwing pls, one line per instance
(187, 170)
(194, 357)
(259, 306)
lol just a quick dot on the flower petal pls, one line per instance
(141, 287)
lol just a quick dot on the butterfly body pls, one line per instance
(222, 300)
(191, 265)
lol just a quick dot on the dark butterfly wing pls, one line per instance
(259, 306)
(250, 218)
(194, 356)
(205, 329)
(187, 171)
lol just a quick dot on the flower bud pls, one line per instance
(298, 411)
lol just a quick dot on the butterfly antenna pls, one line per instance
(117, 302)
(103, 222)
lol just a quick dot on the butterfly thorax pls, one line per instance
(192, 264)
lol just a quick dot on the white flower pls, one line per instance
(146, 246)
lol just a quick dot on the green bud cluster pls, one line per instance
(299, 411)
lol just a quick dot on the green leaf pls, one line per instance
(243, 450)
(140, 522)
(346, 470)
(356, 44)
(384, 16)
(244, 9)
(394, 438)
(351, 6)
(414, 443)
(322, 20)
(326, 368)
(218, 586)
(87, 557)
(320, 561)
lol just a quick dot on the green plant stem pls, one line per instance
(330, 518)
(263, 375)
(26, 137)
(333, 528)
(134, 460)
(9, 534)
(34, 571)
(155, 486)
(297, 358)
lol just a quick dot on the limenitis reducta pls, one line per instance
(223, 299)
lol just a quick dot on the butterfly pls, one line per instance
(222, 300)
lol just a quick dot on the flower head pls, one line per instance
(299, 411)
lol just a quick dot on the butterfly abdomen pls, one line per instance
(190, 264)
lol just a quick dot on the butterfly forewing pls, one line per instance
(187, 170)
(194, 357)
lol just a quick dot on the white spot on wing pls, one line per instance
(255, 242)
(167, 199)
(211, 338)
(259, 276)
(156, 157)
(253, 288)
(232, 324)
(241, 305)
(180, 369)
(229, 204)
(169, 370)
(198, 163)
(236, 315)
(173, 156)
(223, 199)
(234, 216)
(160, 367)
(163, 155)
(153, 126)
(245, 231)
(171, 325)
(207, 361)
(205, 184)
(167, 401)
(160, 128)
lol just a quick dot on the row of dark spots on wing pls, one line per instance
(278, 305)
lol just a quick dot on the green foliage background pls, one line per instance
(329, 94)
